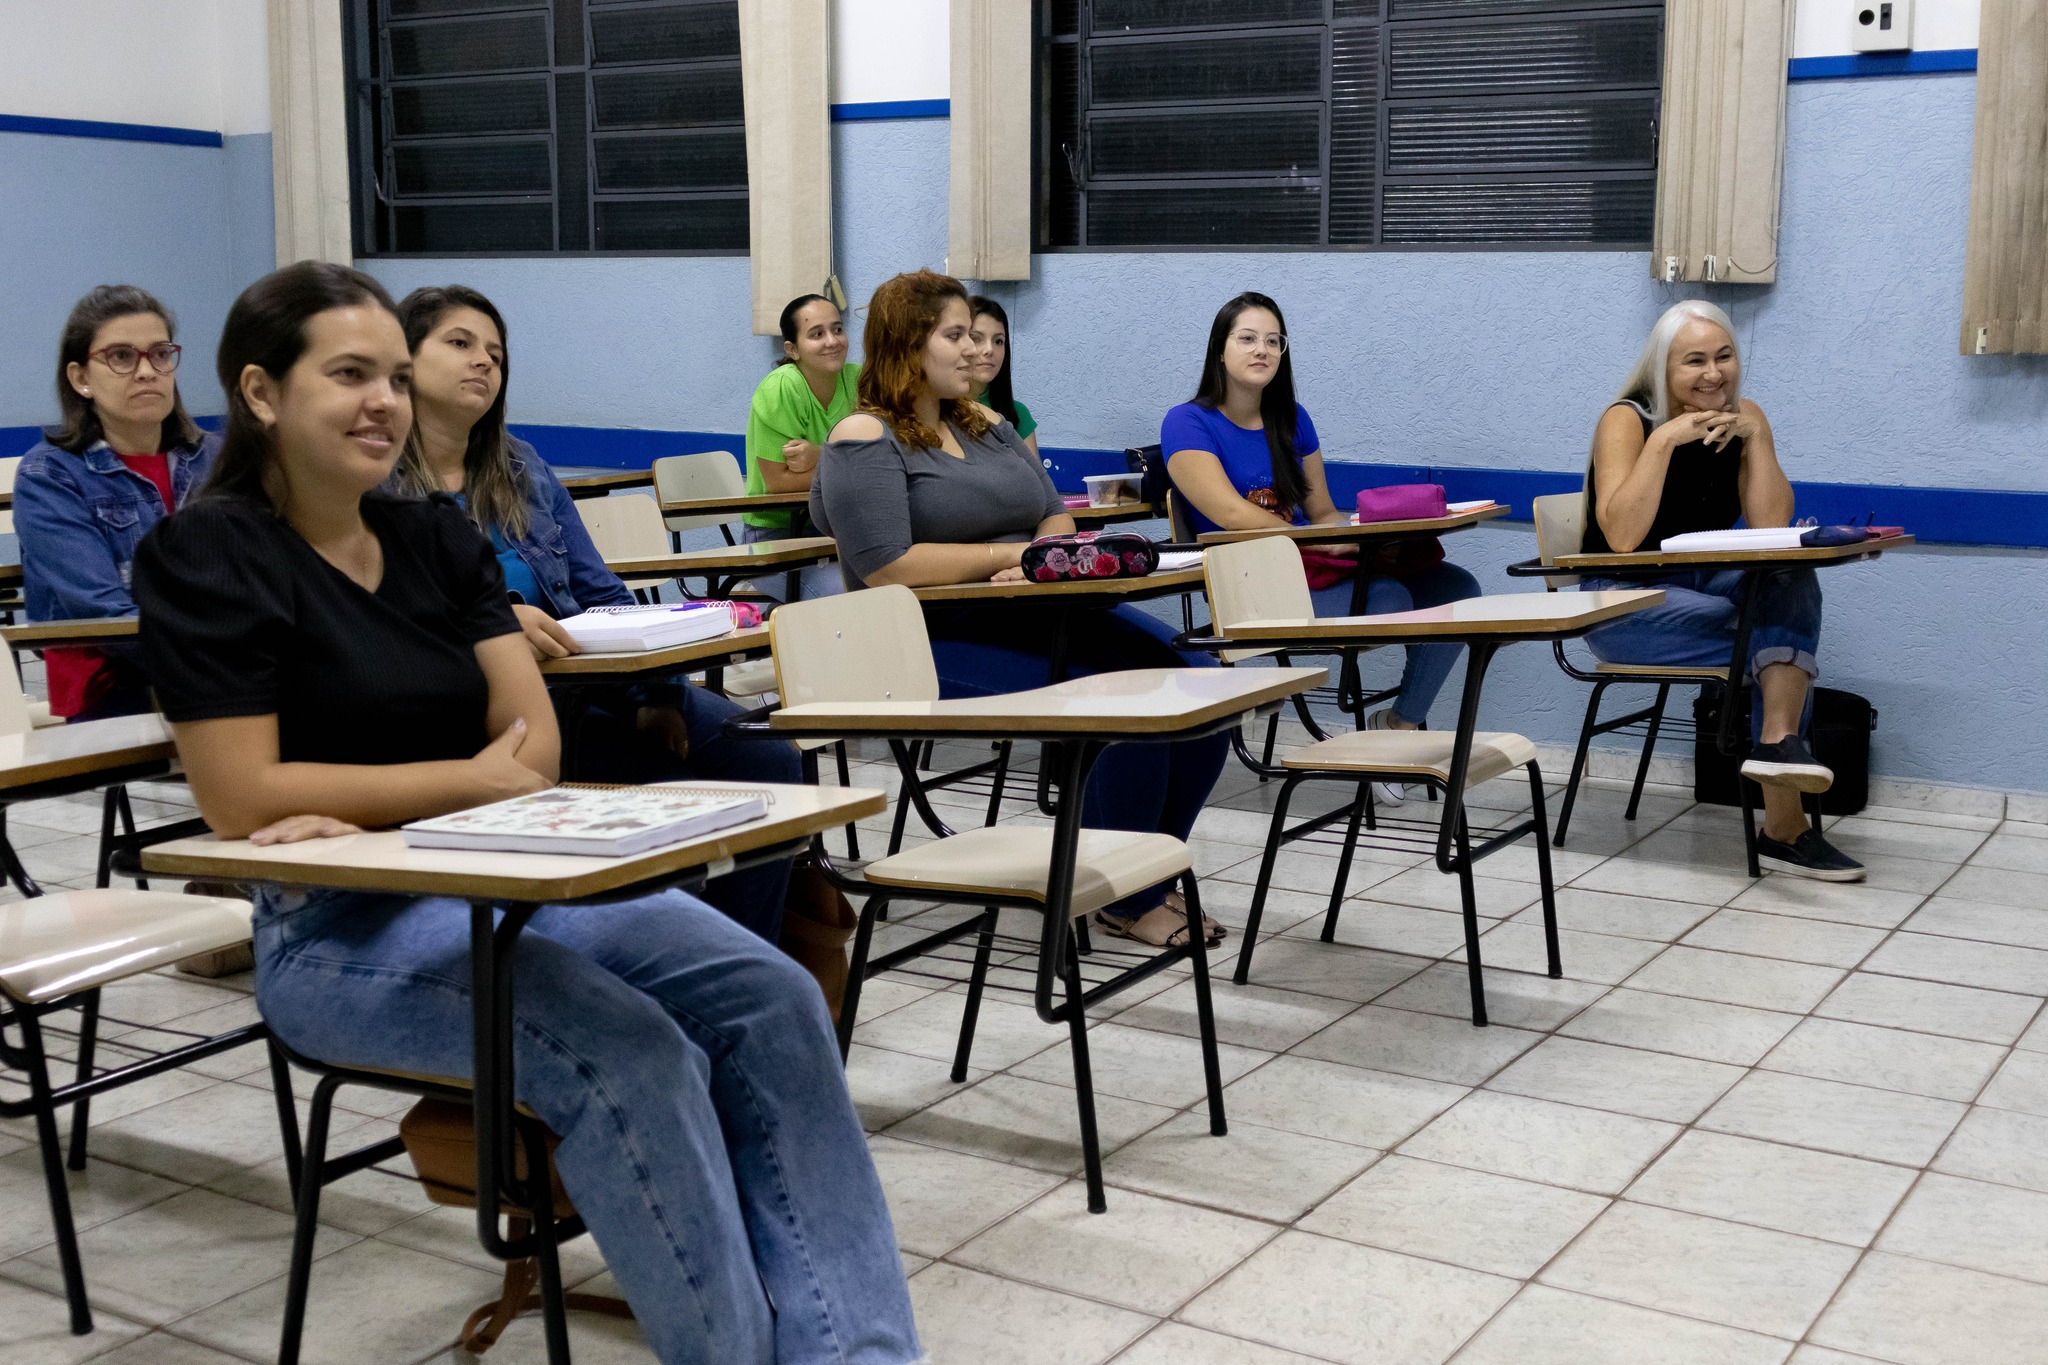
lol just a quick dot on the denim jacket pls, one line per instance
(565, 563)
(79, 519)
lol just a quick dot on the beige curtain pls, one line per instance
(988, 233)
(783, 68)
(2005, 273)
(1722, 150)
(309, 132)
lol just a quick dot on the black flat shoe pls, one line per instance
(1788, 763)
(1809, 855)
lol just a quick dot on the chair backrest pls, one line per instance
(7, 468)
(1256, 580)
(868, 645)
(1560, 530)
(6, 521)
(14, 716)
(1177, 520)
(625, 526)
(707, 474)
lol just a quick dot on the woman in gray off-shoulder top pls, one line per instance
(923, 486)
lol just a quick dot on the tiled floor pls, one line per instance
(1756, 1122)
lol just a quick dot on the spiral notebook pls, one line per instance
(602, 821)
(648, 627)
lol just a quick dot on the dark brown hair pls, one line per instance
(901, 319)
(493, 493)
(1276, 403)
(999, 396)
(789, 313)
(266, 327)
(80, 426)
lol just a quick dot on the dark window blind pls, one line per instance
(547, 125)
(1423, 123)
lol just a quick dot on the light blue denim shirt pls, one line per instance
(565, 562)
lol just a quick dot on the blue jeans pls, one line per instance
(1149, 788)
(1695, 625)
(607, 746)
(1428, 665)
(691, 1073)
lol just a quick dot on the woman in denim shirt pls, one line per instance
(123, 456)
(646, 733)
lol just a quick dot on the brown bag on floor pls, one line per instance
(816, 923)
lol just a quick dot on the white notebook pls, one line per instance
(1171, 561)
(1744, 538)
(651, 627)
(605, 822)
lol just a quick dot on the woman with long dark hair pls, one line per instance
(458, 445)
(811, 389)
(990, 333)
(1244, 454)
(925, 486)
(333, 657)
(122, 456)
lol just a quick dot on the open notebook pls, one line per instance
(606, 822)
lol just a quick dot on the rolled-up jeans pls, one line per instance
(690, 1071)
(1695, 627)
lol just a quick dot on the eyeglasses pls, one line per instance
(1251, 341)
(163, 357)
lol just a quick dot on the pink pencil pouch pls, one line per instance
(1401, 502)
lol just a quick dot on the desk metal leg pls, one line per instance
(1738, 659)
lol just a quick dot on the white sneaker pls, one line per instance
(1386, 793)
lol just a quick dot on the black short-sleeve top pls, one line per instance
(1702, 492)
(241, 617)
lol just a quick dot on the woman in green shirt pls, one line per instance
(991, 337)
(795, 408)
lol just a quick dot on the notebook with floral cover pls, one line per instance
(603, 821)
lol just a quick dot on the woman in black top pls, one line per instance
(1681, 450)
(332, 658)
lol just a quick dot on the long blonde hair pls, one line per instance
(1648, 385)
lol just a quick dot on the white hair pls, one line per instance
(1648, 385)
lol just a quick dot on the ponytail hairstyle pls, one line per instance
(493, 493)
(789, 315)
(999, 396)
(901, 319)
(78, 425)
(267, 327)
(1276, 404)
(1648, 385)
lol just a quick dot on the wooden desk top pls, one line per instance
(1136, 701)
(1177, 580)
(1085, 517)
(738, 502)
(1652, 559)
(698, 653)
(80, 631)
(1344, 530)
(761, 554)
(92, 746)
(589, 482)
(380, 861)
(1515, 613)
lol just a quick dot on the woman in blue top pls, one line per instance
(458, 444)
(122, 457)
(1244, 454)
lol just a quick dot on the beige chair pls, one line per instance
(1561, 530)
(8, 468)
(707, 474)
(1263, 580)
(628, 526)
(871, 646)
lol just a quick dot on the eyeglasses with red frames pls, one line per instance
(163, 357)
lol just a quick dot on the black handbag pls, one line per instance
(1839, 736)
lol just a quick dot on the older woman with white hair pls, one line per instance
(1681, 450)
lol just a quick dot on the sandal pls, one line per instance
(1168, 930)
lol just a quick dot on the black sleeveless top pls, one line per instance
(1702, 492)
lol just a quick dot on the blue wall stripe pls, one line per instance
(1882, 64)
(119, 132)
(878, 109)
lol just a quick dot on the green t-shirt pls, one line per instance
(784, 409)
(1026, 423)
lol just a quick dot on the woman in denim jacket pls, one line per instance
(122, 457)
(646, 733)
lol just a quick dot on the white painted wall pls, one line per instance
(171, 63)
(1824, 26)
(242, 46)
(889, 50)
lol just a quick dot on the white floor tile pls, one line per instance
(1841, 902)
(1448, 1213)
(1432, 1046)
(1930, 1007)
(1252, 1170)
(1920, 1313)
(2021, 1083)
(1853, 1120)
(1252, 1016)
(967, 1318)
(1707, 1029)
(1004, 1033)
(1555, 1144)
(1888, 1058)
(1993, 1228)
(1771, 1185)
(1602, 912)
(1546, 1326)
(1174, 1343)
(1960, 917)
(1785, 936)
(1628, 1080)
(1343, 1103)
(1524, 1000)
(1963, 962)
(1736, 979)
(1031, 1123)
(938, 1198)
(37, 1329)
(99, 1193)
(890, 1086)
(1141, 1064)
(1604, 959)
(1997, 1145)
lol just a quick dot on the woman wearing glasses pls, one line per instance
(122, 457)
(1243, 454)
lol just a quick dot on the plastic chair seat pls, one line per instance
(1415, 753)
(1662, 671)
(1013, 861)
(70, 941)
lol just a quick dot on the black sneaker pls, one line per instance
(1809, 855)
(1788, 763)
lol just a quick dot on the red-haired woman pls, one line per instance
(924, 486)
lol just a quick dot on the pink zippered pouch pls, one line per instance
(1401, 502)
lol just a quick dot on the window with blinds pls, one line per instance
(512, 126)
(1348, 123)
